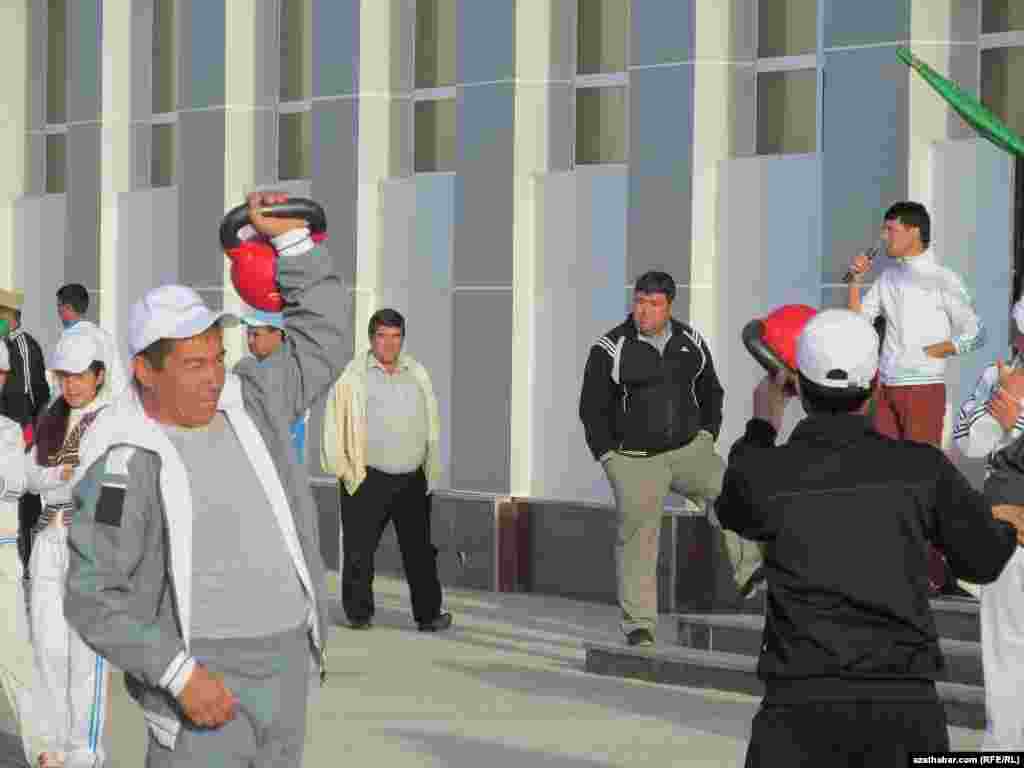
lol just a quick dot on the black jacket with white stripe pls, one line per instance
(25, 393)
(641, 402)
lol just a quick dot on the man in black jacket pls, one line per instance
(651, 406)
(22, 399)
(850, 652)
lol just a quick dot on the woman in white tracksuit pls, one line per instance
(16, 666)
(72, 679)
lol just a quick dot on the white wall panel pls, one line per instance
(767, 258)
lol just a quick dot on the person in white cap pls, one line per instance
(991, 425)
(194, 557)
(264, 334)
(72, 679)
(17, 673)
(850, 652)
(72, 304)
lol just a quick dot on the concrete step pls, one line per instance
(957, 618)
(741, 634)
(675, 665)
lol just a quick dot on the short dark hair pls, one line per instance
(75, 296)
(819, 399)
(391, 318)
(912, 214)
(656, 282)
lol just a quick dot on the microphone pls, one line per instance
(871, 253)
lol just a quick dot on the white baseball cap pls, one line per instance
(75, 352)
(171, 312)
(838, 349)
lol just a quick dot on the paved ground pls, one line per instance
(503, 688)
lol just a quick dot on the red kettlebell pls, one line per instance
(772, 340)
(254, 261)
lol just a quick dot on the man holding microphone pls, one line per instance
(929, 317)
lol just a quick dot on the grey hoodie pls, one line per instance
(129, 576)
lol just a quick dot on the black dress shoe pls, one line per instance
(441, 623)
(361, 624)
(640, 637)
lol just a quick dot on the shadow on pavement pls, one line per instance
(455, 750)
(723, 718)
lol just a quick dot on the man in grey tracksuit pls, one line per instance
(194, 552)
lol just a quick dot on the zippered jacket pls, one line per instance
(923, 303)
(129, 584)
(640, 402)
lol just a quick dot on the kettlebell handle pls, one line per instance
(293, 208)
(753, 340)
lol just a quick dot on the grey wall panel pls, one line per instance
(265, 146)
(36, 117)
(481, 372)
(484, 189)
(83, 199)
(560, 126)
(743, 111)
(35, 164)
(866, 22)
(201, 36)
(416, 267)
(268, 47)
(767, 218)
(563, 39)
(40, 224)
(962, 66)
(580, 274)
(200, 174)
(662, 32)
(142, 60)
(335, 47)
(661, 168)
(147, 249)
(865, 149)
(486, 40)
(85, 36)
(973, 236)
(335, 179)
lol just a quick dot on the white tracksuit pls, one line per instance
(1002, 602)
(72, 680)
(16, 665)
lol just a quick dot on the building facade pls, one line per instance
(501, 170)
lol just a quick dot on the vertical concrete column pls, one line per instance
(240, 142)
(14, 55)
(723, 64)
(385, 79)
(116, 169)
(533, 72)
(943, 33)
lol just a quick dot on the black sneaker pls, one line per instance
(441, 623)
(640, 637)
(361, 624)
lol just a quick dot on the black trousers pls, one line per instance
(382, 498)
(30, 507)
(872, 734)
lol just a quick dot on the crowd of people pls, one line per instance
(123, 546)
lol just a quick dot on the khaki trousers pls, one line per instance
(640, 485)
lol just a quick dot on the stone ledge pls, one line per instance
(964, 704)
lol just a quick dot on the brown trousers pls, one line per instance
(915, 412)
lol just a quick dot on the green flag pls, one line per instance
(976, 114)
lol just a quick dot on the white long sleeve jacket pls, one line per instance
(923, 303)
